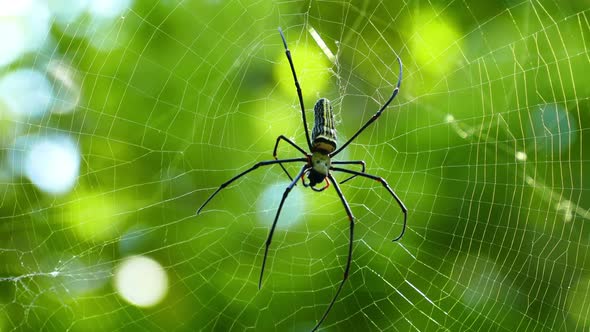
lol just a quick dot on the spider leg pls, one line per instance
(274, 154)
(351, 162)
(299, 94)
(386, 185)
(262, 163)
(376, 115)
(274, 223)
(350, 241)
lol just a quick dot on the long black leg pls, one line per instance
(350, 240)
(299, 94)
(374, 117)
(351, 162)
(274, 153)
(274, 223)
(386, 185)
(262, 163)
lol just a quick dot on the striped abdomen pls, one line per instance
(323, 134)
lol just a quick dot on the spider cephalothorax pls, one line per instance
(318, 165)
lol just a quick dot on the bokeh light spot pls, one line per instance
(521, 156)
(26, 92)
(52, 164)
(551, 129)
(141, 281)
(434, 42)
(65, 86)
(24, 26)
(108, 8)
(312, 67)
(268, 203)
(101, 23)
(67, 11)
(97, 216)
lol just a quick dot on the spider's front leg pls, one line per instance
(376, 115)
(351, 162)
(258, 164)
(274, 153)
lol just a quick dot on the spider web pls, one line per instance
(484, 144)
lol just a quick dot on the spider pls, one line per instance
(318, 167)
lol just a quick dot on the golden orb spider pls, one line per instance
(319, 165)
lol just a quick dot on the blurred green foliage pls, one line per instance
(197, 91)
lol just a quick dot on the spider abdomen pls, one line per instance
(323, 134)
